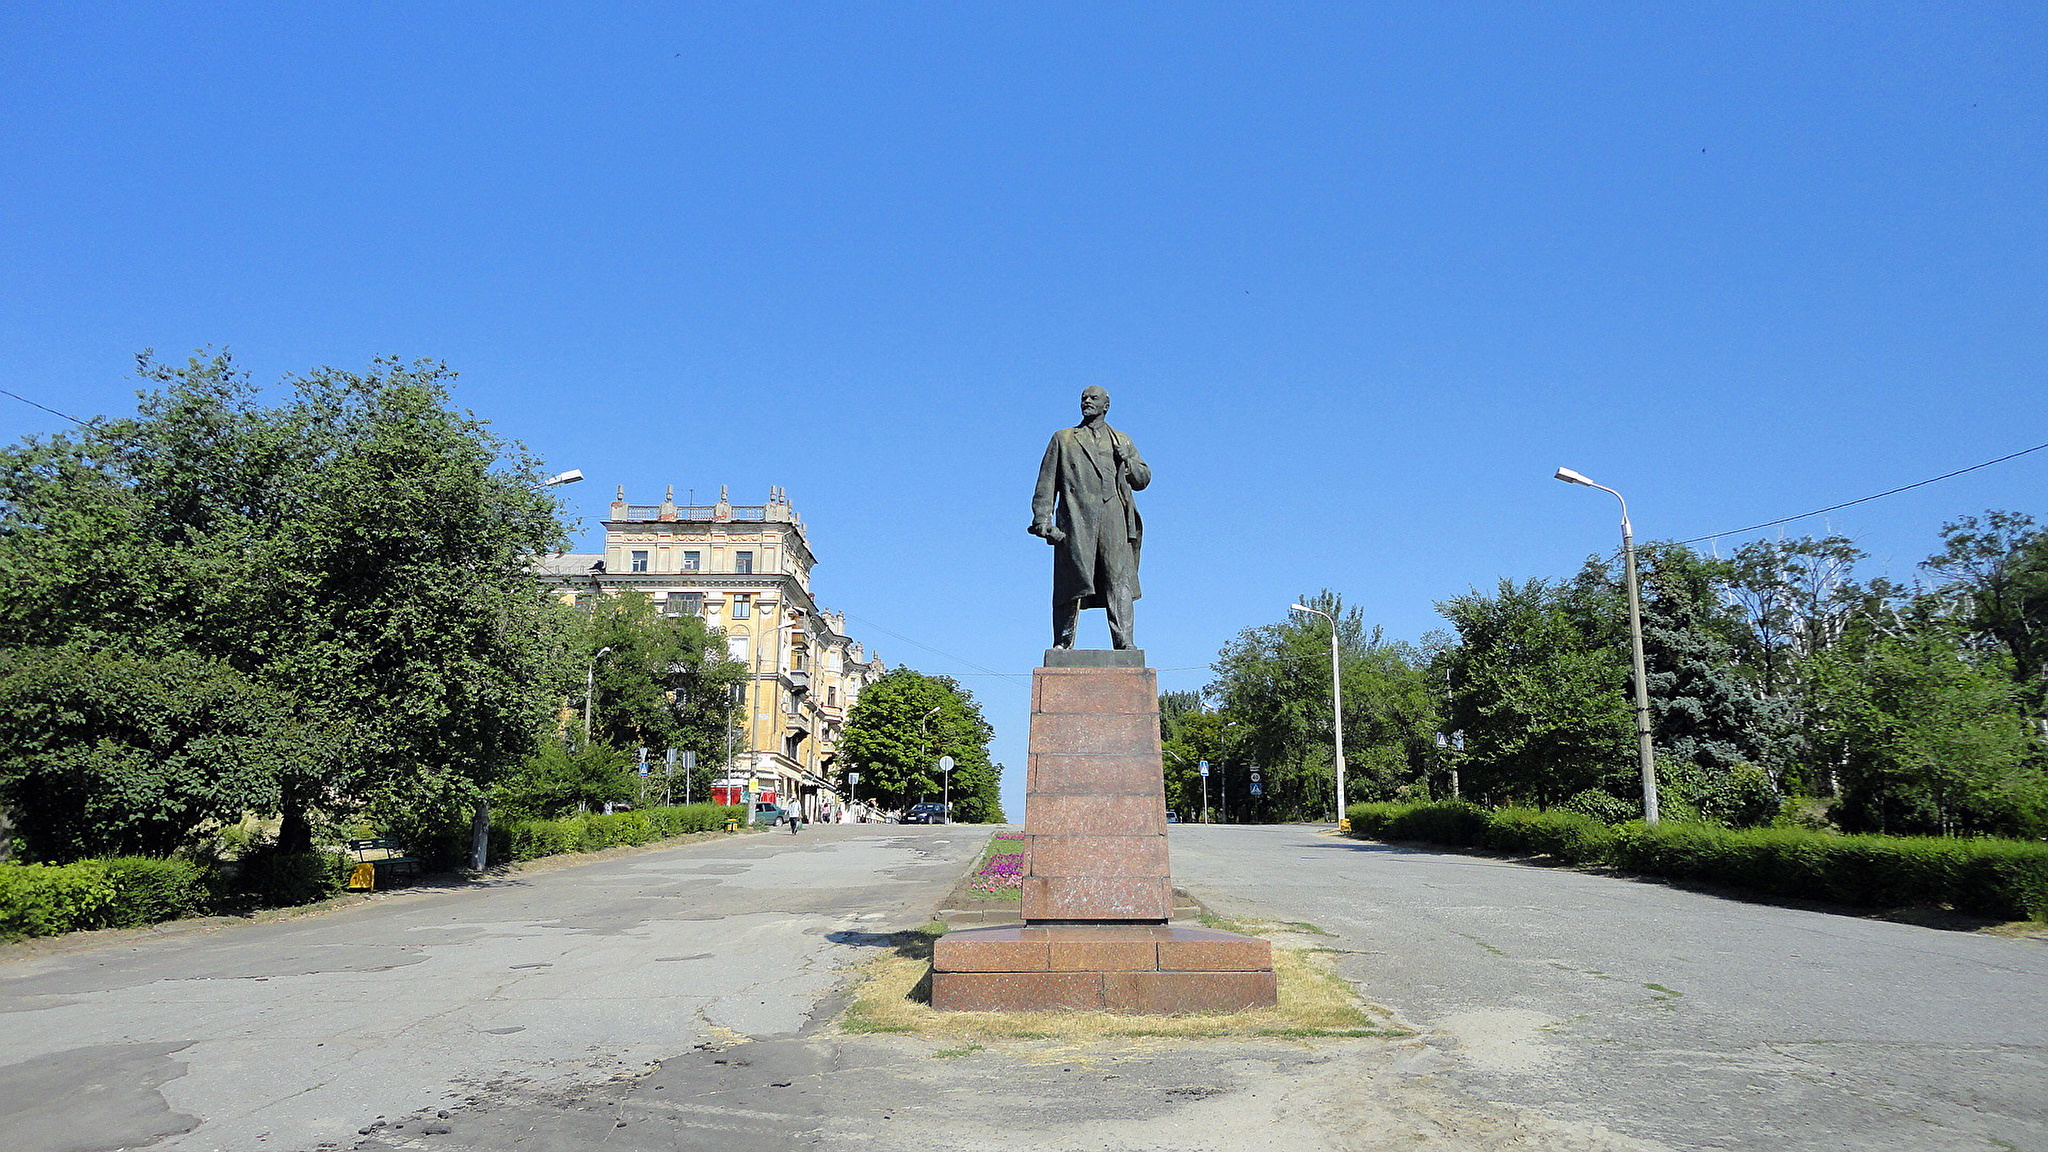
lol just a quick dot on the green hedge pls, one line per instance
(2001, 878)
(533, 839)
(122, 892)
(130, 891)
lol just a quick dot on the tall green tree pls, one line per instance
(1929, 741)
(1997, 572)
(113, 754)
(1273, 682)
(1710, 718)
(660, 682)
(896, 734)
(1539, 688)
(358, 551)
(561, 779)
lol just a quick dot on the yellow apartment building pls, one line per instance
(746, 569)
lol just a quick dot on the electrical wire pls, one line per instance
(981, 668)
(1867, 499)
(86, 424)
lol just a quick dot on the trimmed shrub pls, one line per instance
(1443, 822)
(150, 890)
(2001, 878)
(533, 839)
(1569, 836)
(124, 892)
(45, 899)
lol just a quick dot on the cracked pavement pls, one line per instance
(301, 1033)
(680, 998)
(1686, 1017)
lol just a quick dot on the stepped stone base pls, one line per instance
(1097, 888)
(1143, 969)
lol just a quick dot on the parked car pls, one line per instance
(766, 813)
(1172, 817)
(926, 813)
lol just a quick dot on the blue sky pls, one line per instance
(1358, 277)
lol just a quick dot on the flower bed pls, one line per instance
(1001, 874)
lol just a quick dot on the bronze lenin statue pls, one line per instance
(1083, 508)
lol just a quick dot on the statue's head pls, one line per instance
(1094, 401)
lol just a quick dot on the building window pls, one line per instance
(685, 604)
(693, 560)
(639, 560)
(736, 647)
(743, 563)
(832, 697)
(742, 605)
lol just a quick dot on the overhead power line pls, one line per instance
(1867, 499)
(87, 424)
(983, 669)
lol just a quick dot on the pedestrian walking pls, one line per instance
(796, 819)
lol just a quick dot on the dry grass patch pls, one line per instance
(893, 994)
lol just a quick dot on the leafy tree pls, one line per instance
(357, 553)
(1797, 599)
(1540, 691)
(897, 731)
(561, 779)
(116, 755)
(1191, 736)
(663, 681)
(1273, 683)
(1929, 742)
(1997, 569)
(1706, 714)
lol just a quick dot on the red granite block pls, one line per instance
(1094, 690)
(1179, 993)
(1205, 950)
(1091, 933)
(990, 950)
(1015, 991)
(1094, 732)
(1053, 855)
(1059, 814)
(1107, 774)
(1104, 955)
(1097, 898)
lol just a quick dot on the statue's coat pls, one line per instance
(1095, 510)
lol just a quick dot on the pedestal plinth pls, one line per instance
(1097, 887)
(1094, 801)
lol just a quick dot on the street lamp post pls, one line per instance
(1644, 749)
(946, 767)
(1336, 711)
(590, 689)
(480, 819)
(924, 735)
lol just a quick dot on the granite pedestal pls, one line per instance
(1098, 891)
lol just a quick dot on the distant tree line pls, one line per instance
(1784, 688)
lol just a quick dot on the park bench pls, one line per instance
(382, 854)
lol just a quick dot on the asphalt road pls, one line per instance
(1689, 1019)
(680, 999)
(300, 1033)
